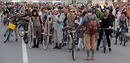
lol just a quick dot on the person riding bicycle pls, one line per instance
(15, 20)
(106, 21)
(122, 23)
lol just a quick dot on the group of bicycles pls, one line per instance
(71, 43)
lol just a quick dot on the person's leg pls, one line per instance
(92, 38)
(79, 43)
(34, 38)
(99, 40)
(16, 34)
(6, 32)
(39, 32)
(108, 42)
(87, 40)
(60, 37)
(55, 39)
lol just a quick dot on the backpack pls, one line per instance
(91, 26)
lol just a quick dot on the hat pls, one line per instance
(34, 10)
(55, 9)
(89, 10)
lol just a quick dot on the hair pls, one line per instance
(36, 13)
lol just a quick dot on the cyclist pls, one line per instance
(122, 23)
(105, 23)
(15, 20)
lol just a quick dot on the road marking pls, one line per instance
(25, 56)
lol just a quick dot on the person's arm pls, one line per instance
(118, 21)
(126, 21)
(83, 20)
(61, 18)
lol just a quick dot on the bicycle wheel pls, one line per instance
(30, 36)
(46, 36)
(104, 49)
(124, 39)
(73, 52)
(69, 43)
(7, 36)
(20, 30)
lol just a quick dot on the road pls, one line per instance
(18, 52)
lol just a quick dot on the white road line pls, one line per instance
(25, 56)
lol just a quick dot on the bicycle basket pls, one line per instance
(11, 26)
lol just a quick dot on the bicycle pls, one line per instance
(9, 32)
(121, 36)
(71, 41)
(30, 34)
(46, 33)
(104, 40)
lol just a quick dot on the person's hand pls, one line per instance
(17, 22)
(118, 26)
(73, 31)
(110, 27)
(42, 27)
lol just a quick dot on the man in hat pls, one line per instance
(57, 25)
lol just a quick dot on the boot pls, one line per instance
(56, 46)
(34, 46)
(92, 58)
(60, 46)
(37, 46)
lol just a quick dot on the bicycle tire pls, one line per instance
(7, 37)
(20, 32)
(104, 49)
(46, 36)
(69, 42)
(30, 36)
(73, 52)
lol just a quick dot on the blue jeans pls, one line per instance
(123, 31)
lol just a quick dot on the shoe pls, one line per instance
(78, 49)
(25, 40)
(88, 58)
(16, 40)
(37, 46)
(92, 58)
(60, 46)
(34, 46)
(4, 35)
(56, 47)
(97, 48)
(109, 49)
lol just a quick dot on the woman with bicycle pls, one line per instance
(105, 23)
(38, 27)
(15, 20)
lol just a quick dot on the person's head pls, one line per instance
(79, 13)
(34, 12)
(55, 11)
(71, 12)
(107, 11)
(89, 10)
(84, 13)
(66, 11)
(105, 14)
(18, 15)
(44, 9)
(123, 14)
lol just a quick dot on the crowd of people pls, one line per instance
(77, 16)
